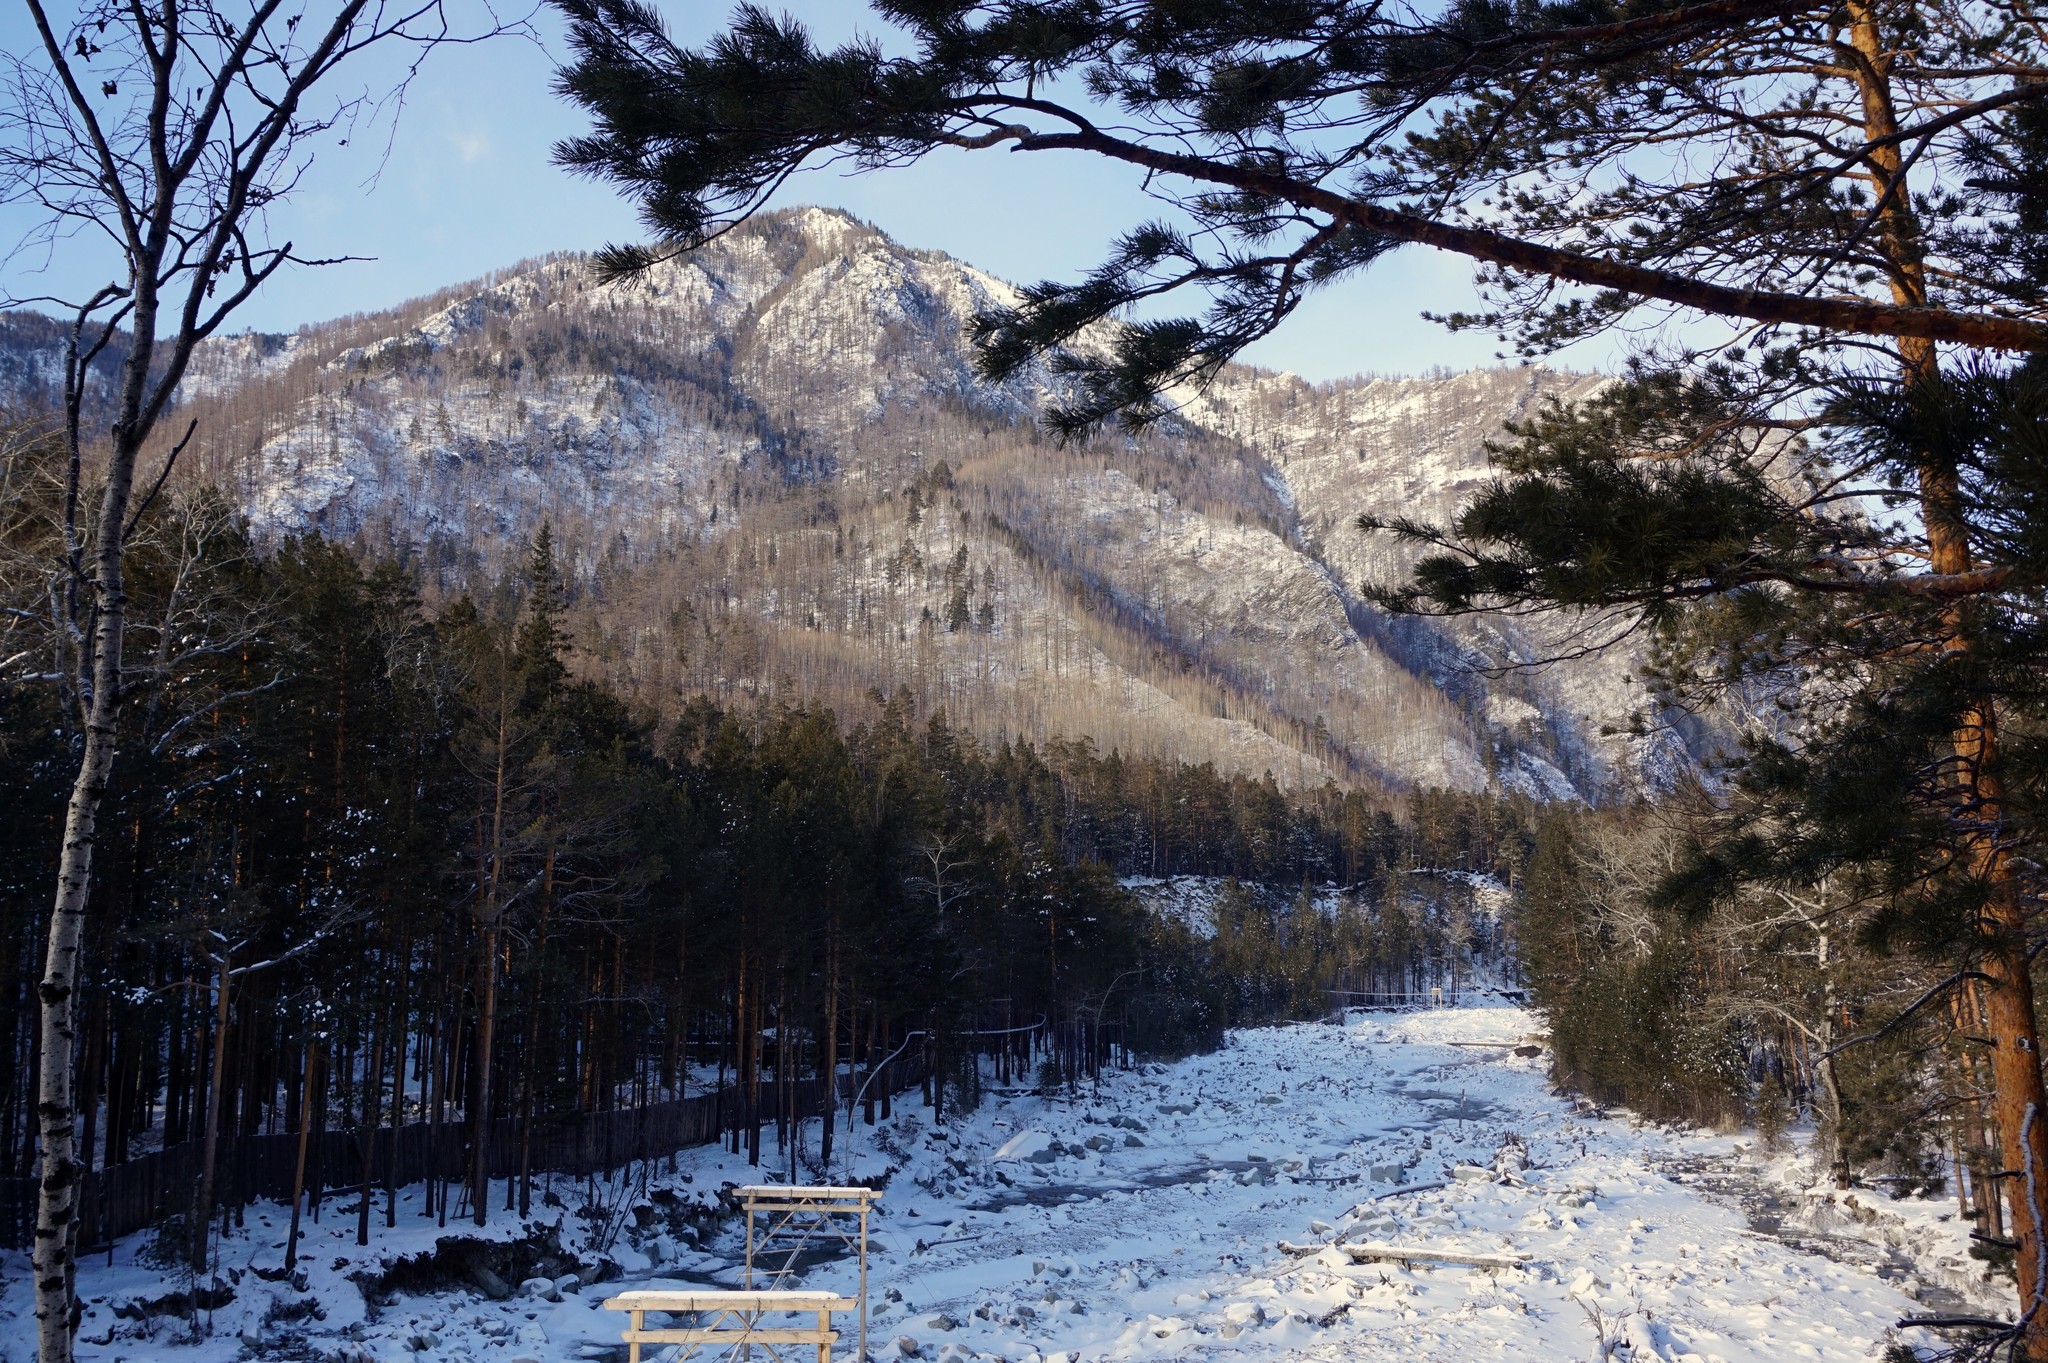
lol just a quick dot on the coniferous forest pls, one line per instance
(399, 861)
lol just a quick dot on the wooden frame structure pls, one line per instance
(728, 1320)
(792, 1217)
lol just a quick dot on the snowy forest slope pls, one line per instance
(777, 473)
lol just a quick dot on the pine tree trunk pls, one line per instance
(202, 1217)
(2020, 1104)
(480, 1118)
(402, 1022)
(291, 1243)
(867, 1104)
(2019, 1100)
(430, 1099)
(828, 1089)
(1838, 1158)
(490, 912)
(373, 1095)
(752, 1038)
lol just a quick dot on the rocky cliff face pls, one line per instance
(779, 474)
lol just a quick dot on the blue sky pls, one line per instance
(467, 187)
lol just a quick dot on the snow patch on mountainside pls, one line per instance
(741, 428)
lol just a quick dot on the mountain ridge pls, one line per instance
(777, 474)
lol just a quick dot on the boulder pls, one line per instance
(1030, 1147)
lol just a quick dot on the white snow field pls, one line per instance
(1143, 1220)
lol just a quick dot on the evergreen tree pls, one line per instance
(1742, 160)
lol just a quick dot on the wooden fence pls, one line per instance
(124, 1198)
(1443, 996)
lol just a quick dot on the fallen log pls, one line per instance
(1407, 1254)
(1409, 1188)
(1410, 1254)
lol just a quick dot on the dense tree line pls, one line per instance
(1774, 1005)
(380, 861)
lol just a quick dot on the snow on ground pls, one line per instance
(1142, 1219)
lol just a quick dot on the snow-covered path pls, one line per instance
(1141, 1221)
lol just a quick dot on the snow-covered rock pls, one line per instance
(1030, 1147)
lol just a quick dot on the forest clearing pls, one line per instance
(1143, 1218)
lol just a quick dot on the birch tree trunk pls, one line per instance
(57, 1189)
(172, 128)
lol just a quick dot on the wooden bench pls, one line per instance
(729, 1319)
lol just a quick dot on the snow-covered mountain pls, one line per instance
(778, 473)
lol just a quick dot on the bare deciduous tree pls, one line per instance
(160, 134)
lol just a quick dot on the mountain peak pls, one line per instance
(775, 471)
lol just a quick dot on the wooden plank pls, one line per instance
(1409, 1188)
(792, 1190)
(709, 1299)
(1409, 1254)
(666, 1336)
